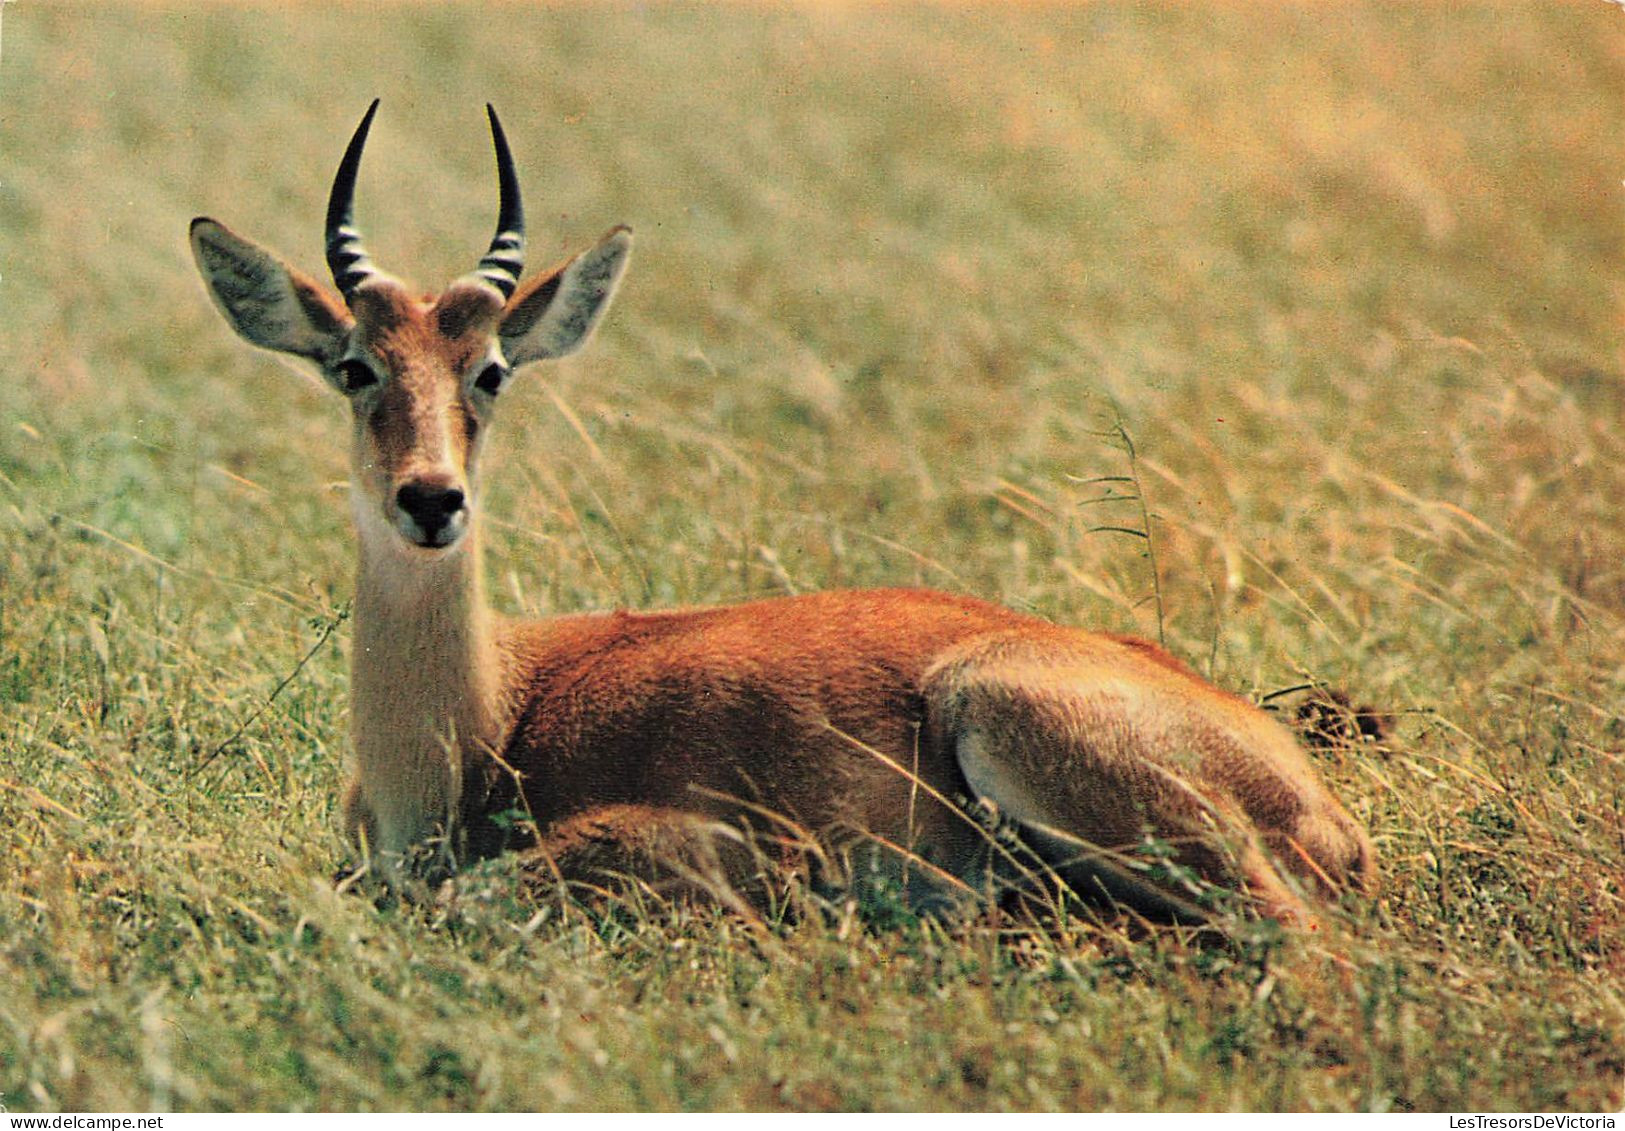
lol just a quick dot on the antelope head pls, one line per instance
(422, 374)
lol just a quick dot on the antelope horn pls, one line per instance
(346, 258)
(505, 261)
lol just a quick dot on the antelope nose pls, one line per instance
(431, 505)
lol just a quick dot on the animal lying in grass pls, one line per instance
(852, 719)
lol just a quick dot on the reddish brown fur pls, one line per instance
(420, 405)
(779, 704)
(831, 710)
(822, 722)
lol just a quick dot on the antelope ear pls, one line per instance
(553, 315)
(268, 303)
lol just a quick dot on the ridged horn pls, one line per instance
(346, 258)
(505, 261)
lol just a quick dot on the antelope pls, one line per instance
(897, 719)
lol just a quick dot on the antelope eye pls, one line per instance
(355, 375)
(491, 379)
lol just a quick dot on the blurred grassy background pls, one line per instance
(1348, 276)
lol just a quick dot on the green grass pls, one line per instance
(1347, 275)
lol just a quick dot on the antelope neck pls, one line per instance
(425, 698)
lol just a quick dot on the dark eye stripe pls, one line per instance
(354, 375)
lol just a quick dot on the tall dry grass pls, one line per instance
(910, 281)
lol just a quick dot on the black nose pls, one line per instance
(431, 506)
